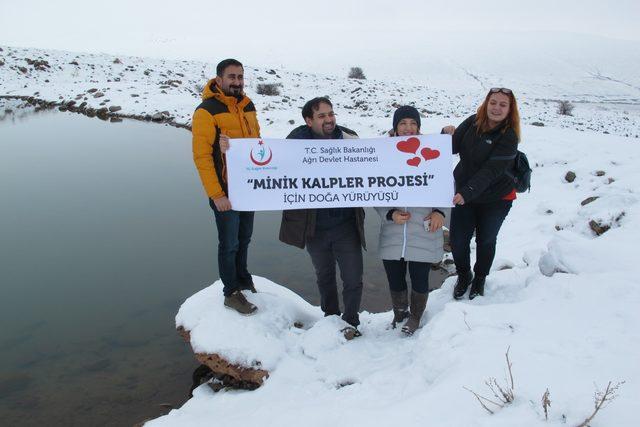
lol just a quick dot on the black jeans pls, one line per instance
(342, 245)
(483, 218)
(397, 271)
(234, 234)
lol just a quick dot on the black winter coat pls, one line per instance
(299, 225)
(484, 158)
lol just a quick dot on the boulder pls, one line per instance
(234, 375)
(570, 176)
(588, 200)
(102, 113)
(598, 227)
(243, 350)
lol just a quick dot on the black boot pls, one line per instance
(477, 287)
(464, 279)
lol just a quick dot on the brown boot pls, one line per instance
(236, 301)
(400, 303)
(418, 305)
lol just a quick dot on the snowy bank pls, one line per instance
(564, 300)
(245, 348)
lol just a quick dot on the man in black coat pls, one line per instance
(331, 235)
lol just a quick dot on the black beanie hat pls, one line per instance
(405, 112)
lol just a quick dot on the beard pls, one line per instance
(234, 91)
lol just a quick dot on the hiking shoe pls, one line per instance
(350, 332)
(418, 305)
(477, 287)
(400, 303)
(236, 301)
(462, 284)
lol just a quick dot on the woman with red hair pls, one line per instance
(487, 143)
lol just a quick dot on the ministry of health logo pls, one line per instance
(261, 154)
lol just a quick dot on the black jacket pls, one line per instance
(480, 175)
(299, 225)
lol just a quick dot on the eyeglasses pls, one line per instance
(501, 89)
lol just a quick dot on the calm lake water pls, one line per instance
(104, 232)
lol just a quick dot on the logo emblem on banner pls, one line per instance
(411, 145)
(261, 155)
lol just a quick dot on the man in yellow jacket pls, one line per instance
(226, 112)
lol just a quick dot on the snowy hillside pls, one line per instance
(147, 87)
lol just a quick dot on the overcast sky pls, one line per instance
(295, 32)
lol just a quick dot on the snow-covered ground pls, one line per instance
(143, 86)
(563, 299)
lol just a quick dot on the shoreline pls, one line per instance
(101, 113)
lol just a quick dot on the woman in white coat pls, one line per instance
(410, 238)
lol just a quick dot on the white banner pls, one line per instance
(280, 174)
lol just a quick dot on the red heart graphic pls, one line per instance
(414, 162)
(411, 145)
(429, 154)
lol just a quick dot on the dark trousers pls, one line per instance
(234, 234)
(342, 245)
(397, 275)
(483, 218)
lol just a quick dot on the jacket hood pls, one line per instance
(211, 90)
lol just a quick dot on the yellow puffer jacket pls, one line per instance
(219, 114)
